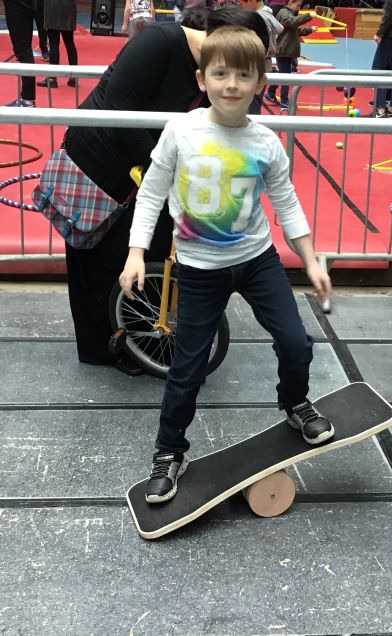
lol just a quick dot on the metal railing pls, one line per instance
(288, 124)
(350, 79)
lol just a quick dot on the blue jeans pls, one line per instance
(203, 296)
(383, 62)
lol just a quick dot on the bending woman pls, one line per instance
(155, 71)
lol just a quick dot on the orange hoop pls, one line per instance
(10, 164)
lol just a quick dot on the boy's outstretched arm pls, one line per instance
(149, 202)
(134, 270)
(317, 276)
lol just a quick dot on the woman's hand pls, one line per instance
(134, 270)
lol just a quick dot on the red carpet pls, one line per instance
(91, 50)
(329, 213)
(101, 51)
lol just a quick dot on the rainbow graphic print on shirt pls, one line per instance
(219, 193)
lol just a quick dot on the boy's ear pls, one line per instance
(200, 80)
(260, 84)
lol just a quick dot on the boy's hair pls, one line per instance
(238, 46)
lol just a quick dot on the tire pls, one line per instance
(154, 354)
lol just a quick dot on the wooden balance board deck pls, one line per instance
(357, 411)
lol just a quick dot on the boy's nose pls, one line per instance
(232, 81)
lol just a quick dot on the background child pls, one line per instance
(275, 28)
(288, 47)
(137, 15)
(216, 163)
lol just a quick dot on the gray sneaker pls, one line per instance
(315, 428)
(271, 99)
(166, 469)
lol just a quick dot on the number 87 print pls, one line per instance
(208, 190)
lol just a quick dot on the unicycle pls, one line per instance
(140, 331)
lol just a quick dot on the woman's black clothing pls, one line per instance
(60, 15)
(155, 71)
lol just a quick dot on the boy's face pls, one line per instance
(230, 90)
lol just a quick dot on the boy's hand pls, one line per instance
(320, 280)
(134, 270)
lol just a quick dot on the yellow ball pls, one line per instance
(339, 145)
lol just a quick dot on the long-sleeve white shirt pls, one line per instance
(214, 177)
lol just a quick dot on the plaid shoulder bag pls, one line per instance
(76, 207)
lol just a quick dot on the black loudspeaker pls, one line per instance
(102, 17)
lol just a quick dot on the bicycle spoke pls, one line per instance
(140, 315)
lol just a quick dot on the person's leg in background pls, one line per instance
(383, 61)
(284, 66)
(19, 16)
(42, 33)
(54, 46)
(270, 95)
(54, 57)
(72, 53)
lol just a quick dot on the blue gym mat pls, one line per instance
(356, 54)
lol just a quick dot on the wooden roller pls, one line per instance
(272, 495)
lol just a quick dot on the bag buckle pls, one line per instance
(44, 200)
(69, 223)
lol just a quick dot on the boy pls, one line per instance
(216, 162)
(288, 47)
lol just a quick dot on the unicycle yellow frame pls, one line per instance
(161, 325)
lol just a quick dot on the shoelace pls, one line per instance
(306, 412)
(160, 467)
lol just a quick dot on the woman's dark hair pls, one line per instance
(240, 17)
(195, 19)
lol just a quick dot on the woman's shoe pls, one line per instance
(23, 103)
(128, 366)
(72, 82)
(48, 81)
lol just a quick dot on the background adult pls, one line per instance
(383, 59)
(60, 19)
(170, 54)
(20, 15)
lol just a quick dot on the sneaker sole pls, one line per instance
(313, 441)
(151, 499)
